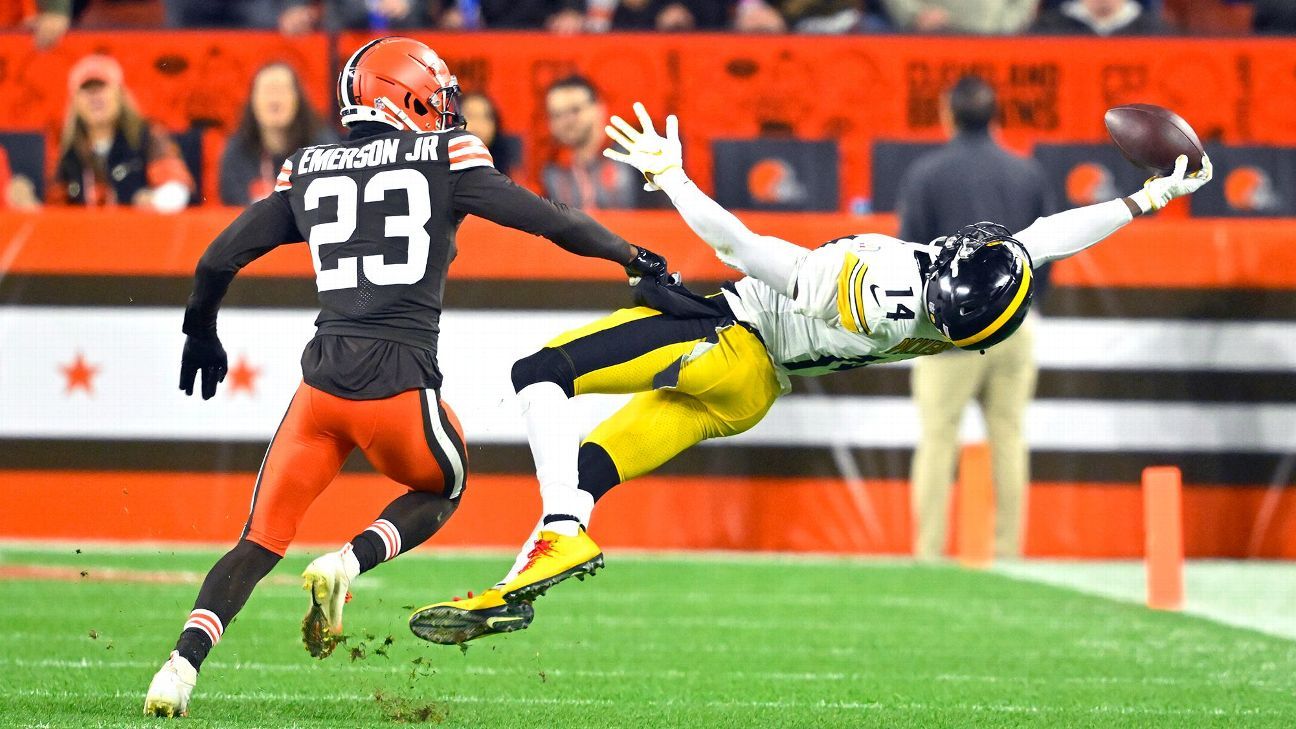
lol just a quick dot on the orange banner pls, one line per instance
(179, 78)
(759, 514)
(853, 89)
(857, 89)
(1199, 253)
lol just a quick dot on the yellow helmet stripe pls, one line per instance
(1007, 314)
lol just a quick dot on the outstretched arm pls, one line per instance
(262, 227)
(1067, 233)
(487, 193)
(766, 258)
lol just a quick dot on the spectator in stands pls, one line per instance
(558, 16)
(806, 16)
(48, 20)
(1274, 16)
(223, 14)
(18, 192)
(984, 17)
(277, 121)
(1098, 17)
(302, 15)
(581, 176)
(969, 180)
(483, 121)
(661, 15)
(109, 153)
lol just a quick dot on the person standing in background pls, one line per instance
(581, 176)
(1274, 16)
(972, 178)
(1098, 17)
(982, 17)
(483, 121)
(277, 120)
(111, 155)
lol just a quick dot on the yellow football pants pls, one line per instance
(694, 379)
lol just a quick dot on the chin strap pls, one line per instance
(383, 111)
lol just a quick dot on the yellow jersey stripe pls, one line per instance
(858, 288)
(1007, 314)
(844, 310)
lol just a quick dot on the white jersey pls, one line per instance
(853, 302)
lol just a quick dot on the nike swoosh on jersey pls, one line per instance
(873, 290)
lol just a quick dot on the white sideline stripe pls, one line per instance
(1061, 342)
(1102, 710)
(136, 352)
(674, 674)
(1254, 595)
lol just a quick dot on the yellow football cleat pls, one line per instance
(553, 558)
(463, 619)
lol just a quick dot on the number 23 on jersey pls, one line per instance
(411, 227)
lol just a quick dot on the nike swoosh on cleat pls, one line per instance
(492, 622)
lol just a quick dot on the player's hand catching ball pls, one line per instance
(646, 150)
(1159, 191)
(205, 354)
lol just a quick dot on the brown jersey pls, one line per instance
(379, 213)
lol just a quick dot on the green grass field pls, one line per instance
(650, 642)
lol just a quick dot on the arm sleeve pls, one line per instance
(1063, 235)
(487, 193)
(262, 227)
(771, 260)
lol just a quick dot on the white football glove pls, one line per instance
(646, 151)
(1159, 191)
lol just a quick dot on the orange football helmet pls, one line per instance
(401, 82)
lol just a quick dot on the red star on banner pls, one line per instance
(80, 375)
(242, 376)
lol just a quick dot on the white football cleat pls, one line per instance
(169, 692)
(328, 580)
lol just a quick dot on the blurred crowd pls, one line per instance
(49, 19)
(110, 153)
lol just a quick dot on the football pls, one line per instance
(1152, 137)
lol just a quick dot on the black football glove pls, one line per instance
(206, 354)
(646, 264)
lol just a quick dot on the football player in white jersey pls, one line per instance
(709, 367)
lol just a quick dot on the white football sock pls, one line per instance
(350, 563)
(554, 436)
(522, 558)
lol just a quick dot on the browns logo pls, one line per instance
(772, 181)
(1088, 183)
(1250, 189)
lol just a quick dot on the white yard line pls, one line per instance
(781, 704)
(670, 674)
(1258, 595)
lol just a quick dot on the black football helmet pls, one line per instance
(980, 287)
